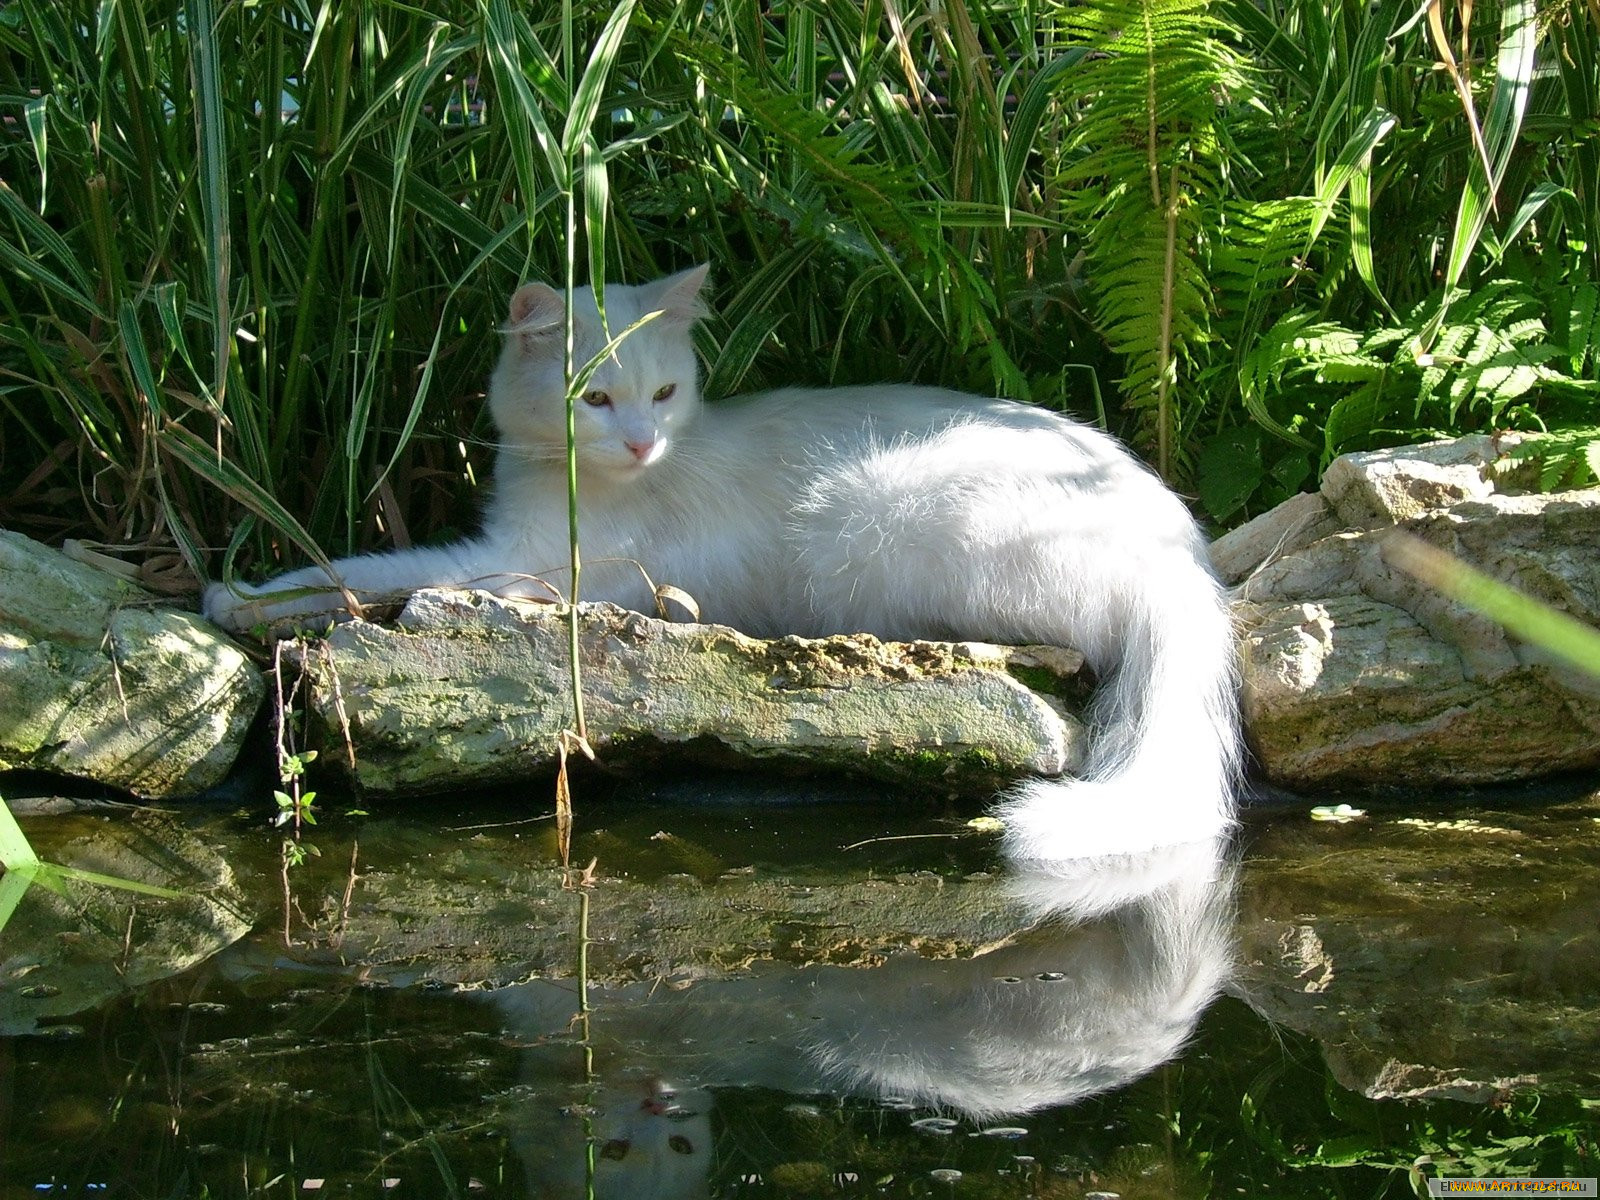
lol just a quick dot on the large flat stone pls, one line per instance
(466, 688)
(1349, 690)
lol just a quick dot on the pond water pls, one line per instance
(798, 991)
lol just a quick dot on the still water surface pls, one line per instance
(852, 998)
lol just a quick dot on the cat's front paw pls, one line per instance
(281, 605)
(232, 607)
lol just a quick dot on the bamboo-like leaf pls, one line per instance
(32, 229)
(201, 20)
(1540, 195)
(35, 117)
(138, 357)
(1353, 159)
(15, 850)
(592, 84)
(582, 375)
(1501, 128)
(425, 380)
(1026, 121)
(228, 478)
(508, 38)
(596, 206)
(1361, 236)
(1458, 77)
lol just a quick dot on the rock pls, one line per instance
(467, 688)
(1355, 672)
(99, 682)
(1385, 487)
(1287, 529)
(70, 946)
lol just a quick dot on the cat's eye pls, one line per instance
(597, 399)
(680, 1144)
(664, 392)
(615, 1150)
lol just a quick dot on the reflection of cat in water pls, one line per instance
(1053, 1014)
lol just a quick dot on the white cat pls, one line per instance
(904, 512)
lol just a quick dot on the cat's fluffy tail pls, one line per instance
(1163, 757)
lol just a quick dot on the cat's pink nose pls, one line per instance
(642, 450)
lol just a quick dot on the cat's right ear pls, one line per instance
(680, 296)
(536, 313)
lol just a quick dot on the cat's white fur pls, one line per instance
(905, 512)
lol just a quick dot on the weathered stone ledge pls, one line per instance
(1357, 674)
(468, 688)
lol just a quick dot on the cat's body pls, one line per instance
(899, 511)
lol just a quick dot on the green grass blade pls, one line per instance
(77, 286)
(1559, 634)
(14, 884)
(210, 132)
(15, 852)
(1353, 157)
(509, 44)
(36, 118)
(1361, 237)
(138, 356)
(1501, 127)
(228, 478)
(596, 206)
(591, 86)
(110, 881)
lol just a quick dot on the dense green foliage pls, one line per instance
(255, 254)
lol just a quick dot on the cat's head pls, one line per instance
(638, 399)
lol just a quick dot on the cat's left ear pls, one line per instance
(679, 297)
(535, 319)
(535, 308)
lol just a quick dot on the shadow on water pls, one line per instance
(839, 1000)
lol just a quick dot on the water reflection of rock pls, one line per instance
(1446, 957)
(1099, 985)
(69, 945)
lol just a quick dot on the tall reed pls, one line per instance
(255, 254)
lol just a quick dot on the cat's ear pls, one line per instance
(536, 308)
(679, 297)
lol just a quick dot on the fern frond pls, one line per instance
(1142, 170)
